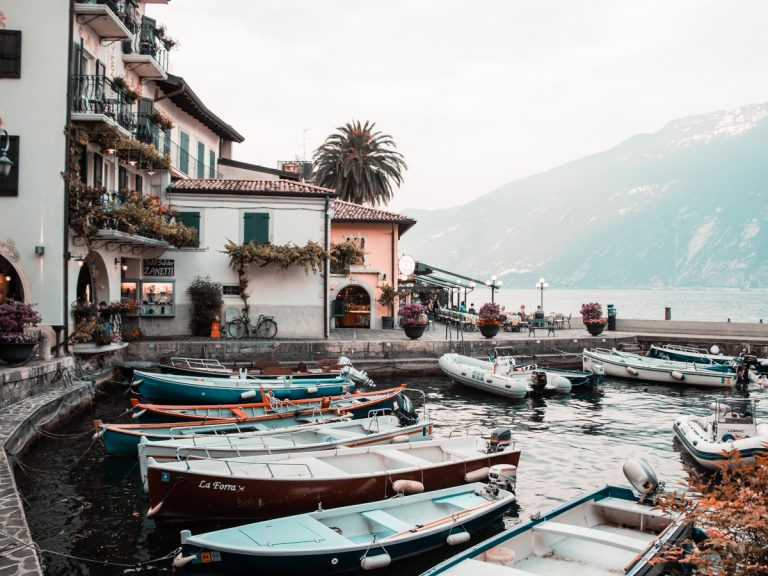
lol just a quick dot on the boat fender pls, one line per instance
(98, 434)
(312, 390)
(560, 383)
(403, 486)
(139, 414)
(677, 375)
(374, 562)
(632, 371)
(457, 538)
(249, 394)
(501, 556)
(476, 475)
(152, 512)
(180, 561)
(400, 439)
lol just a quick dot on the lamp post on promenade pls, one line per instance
(542, 285)
(494, 285)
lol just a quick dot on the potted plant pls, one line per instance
(206, 296)
(413, 319)
(592, 315)
(16, 342)
(162, 120)
(387, 299)
(489, 319)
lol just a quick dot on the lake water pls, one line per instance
(690, 304)
(83, 503)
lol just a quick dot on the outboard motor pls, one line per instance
(357, 376)
(643, 479)
(501, 477)
(344, 361)
(403, 408)
(538, 381)
(500, 439)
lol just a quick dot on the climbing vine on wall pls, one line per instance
(345, 254)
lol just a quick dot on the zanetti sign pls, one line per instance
(159, 267)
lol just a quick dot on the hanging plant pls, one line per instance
(345, 254)
(162, 120)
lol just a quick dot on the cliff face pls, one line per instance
(685, 206)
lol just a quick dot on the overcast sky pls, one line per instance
(475, 94)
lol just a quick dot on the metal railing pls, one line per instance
(124, 10)
(95, 94)
(148, 43)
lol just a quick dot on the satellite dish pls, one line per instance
(407, 265)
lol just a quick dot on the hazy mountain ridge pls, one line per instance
(684, 206)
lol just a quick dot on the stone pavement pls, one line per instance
(18, 424)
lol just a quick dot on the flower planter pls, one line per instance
(489, 331)
(15, 352)
(414, 332)
(387, 322)
(595, 329)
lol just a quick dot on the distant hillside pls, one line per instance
(686, 206)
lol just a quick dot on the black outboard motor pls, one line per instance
(747, 362)
(404, 410)
(538, 381)
(500, 439)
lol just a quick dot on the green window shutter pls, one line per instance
(256, 228)
(184, 152)
(200, 160)
(212, 165)
(191, 220)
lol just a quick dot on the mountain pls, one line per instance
(683, 207)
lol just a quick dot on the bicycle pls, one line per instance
(264, 327)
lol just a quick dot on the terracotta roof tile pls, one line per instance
(259, 187)
(347, 211)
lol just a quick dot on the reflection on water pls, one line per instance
(82, 503)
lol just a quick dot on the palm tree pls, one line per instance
(359, 164)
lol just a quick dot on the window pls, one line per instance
(359, 240)
(98, 170)
(184, 152)
(139, 184)
(200, 160)
(256, 228)
(230, 290)
(10, 53)
(122, 179)
(192, 220)
(212, 164)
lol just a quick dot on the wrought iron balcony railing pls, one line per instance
(125, 10)
(94, 94)
(148, 43)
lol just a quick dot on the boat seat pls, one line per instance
(404, 457)
(386, 520)
(592, 535)
(472, 567)
(462, 501)
(622, 505)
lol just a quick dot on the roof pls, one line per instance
(249, 187)
(257, 168)
(350, 212)
(178, 91)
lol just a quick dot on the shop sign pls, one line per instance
(159, 267)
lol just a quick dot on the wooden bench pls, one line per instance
(386, 520)
(592, 535)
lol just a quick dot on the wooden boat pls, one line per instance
(123, 438)
(205, 389)
(282, 484)
(339, 540)
(606, 531)
(731, 427)
(635, 367)
(182, 366)
(354, 405)
(702, 356)
(379, 429)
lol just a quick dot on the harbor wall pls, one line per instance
(22, 382)
(703, 329)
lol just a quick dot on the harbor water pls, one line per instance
(89, 508)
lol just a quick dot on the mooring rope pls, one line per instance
(136, 566)
(25, 467)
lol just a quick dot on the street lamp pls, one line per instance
(494, 285)
(542, 285)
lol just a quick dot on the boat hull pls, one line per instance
(206, 390)
(179, 493)
(697, 441)
(630, 368)
(482, 378)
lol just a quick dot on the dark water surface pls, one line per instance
(83, 503)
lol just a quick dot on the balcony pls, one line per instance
(117, 232)
(94, 99)
(147, 53)
(110, 19)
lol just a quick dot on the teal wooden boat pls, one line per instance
(346, 539)
(211, 390)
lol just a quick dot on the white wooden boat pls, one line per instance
(379, 429)
(292, 483)
(702, 356)
(605, 532)
(731, 427)
(635, 367)
(347, 539)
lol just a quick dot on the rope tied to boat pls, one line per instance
(26, 467)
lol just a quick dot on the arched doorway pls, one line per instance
(356, 307)
(93, 280)
(10, 283)
(84, 284)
